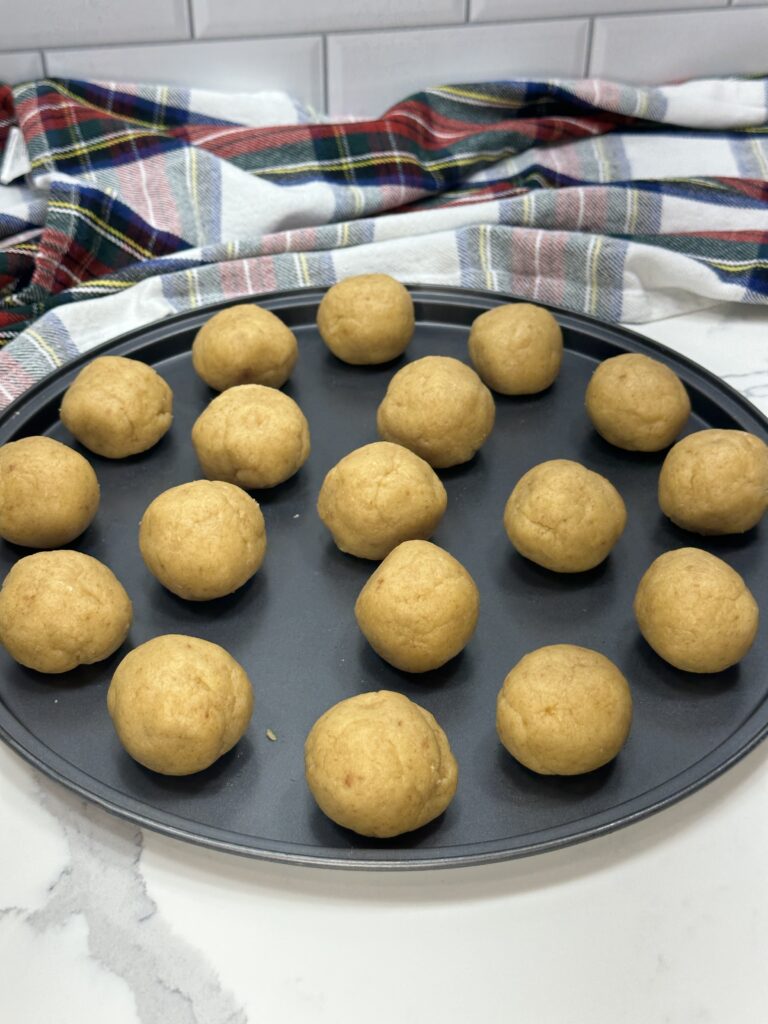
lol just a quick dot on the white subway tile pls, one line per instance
(653, 48)
(294, 65)
(83, 22)
(508, 10)
(20, 67)
(246, 17)
(369, 72)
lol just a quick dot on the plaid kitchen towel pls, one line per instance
(627, 203)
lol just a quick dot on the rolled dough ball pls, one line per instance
(48, 493)
(695, 611)
(60, 609)
(517, 349)
(366, 319)
(178, 703)
(637, 403)
(203, 540)
(117, 407)
(564, 517)
(564, 710)
(244, 344)
(380, 765)
(419, 608)
(439, 408)
(378, 496)
(715, 481)
(252, 436)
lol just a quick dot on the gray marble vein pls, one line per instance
(753, 384)
(171, 980)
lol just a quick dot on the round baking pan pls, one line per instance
(293, 627)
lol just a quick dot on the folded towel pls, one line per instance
(626, 203)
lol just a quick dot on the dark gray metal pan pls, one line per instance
(293, 627)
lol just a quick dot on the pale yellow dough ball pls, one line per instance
(419, 609)
(517, 349)
(380, 765)
(378, 496)
(564, 517)
(178, 703)
(244, 344)
(564, 710)
(695, 611)
(203, 539)
(366, 319)
(439, 408)
(715, 482)
(637, 403)
(117, 407)
(61, 609)
(251, 435)
(49, 493)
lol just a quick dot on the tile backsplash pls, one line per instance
(238, 17)
(43, 23)
(635, 47)
(368, 71)
(292, 64)
(360, 56)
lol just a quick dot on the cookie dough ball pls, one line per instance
(380, 765)
(60, 609)
(48, 493)
(244, 344)
(117, 407)
(439, 408)
(517, 349)
(178, 703)
(564, 710)
(696, 611)
(564, 517)
(203, 540)
(366, 319)
(252, 436)
(420, 607)
(637, 403)
(715, 481)
(378, 496)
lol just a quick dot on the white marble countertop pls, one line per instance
(664, 921)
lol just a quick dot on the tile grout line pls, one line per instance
(44, 61)
(588, 47)
(324, 83)
(191, 17)
(176, 41)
